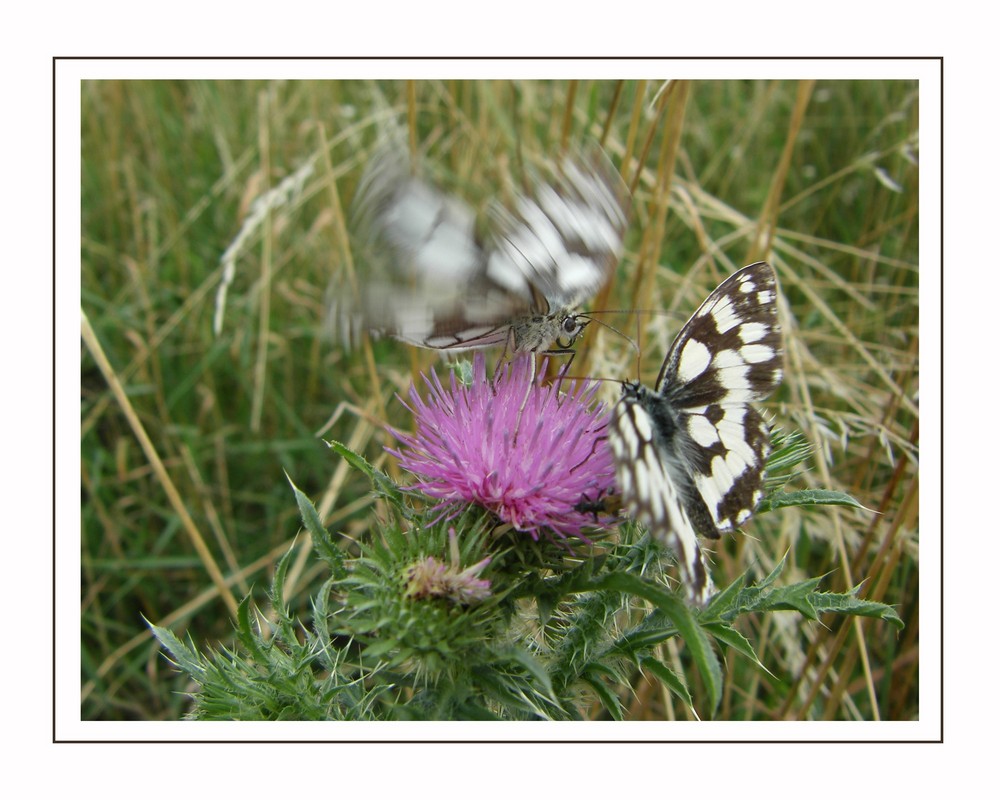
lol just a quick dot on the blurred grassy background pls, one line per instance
(819, 178)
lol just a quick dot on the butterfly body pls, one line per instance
(539, 332)
(690, 452)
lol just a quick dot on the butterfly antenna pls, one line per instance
(653, 312)
(590, 318)
(638, 355)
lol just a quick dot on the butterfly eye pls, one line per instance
(569, 331)
(572, 327)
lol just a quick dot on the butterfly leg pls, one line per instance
(564, 369)
(532, 373)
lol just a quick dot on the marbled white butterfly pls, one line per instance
(690, 453)
(431, 281)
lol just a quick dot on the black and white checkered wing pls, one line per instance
(565, 238)
(428, 279)
(711, 443)
(650, 486)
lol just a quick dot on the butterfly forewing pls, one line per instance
(431, 281)
(730, 349)
(566, 237)
(711, 443)
(420, 265)
(727, 355)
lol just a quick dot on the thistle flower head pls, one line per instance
(430, 577)
(526, 451)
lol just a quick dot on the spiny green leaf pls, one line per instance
(798, 597)
(725, 600)
(185, 657)
(678, 612)
(829, 602)
(278, 583)
(732, 638)
(668, 678)
(521, 657)
(807, 497)
(380, 648)
(514, 692)
(326, 548)
(247, 635)
(772, 576)
(382, 483)
(607, 697)
(788, 450)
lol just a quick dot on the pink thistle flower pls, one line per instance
(466, 448)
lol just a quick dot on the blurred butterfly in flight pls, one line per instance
(430, 279)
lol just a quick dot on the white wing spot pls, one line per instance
(753, 331)
(732, 432)
(725, 315)
(595, 230)
(549, 243)
(577, 272)
(735, 366)
(715, 486)
(414, 211)
(504, 271)
(703, 431)
(448, 255)
(643, 427)
(737, 463)
(694, 360)
(756, 353)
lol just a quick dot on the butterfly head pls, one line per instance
(550, 332)
(570, 329)
(632, 391)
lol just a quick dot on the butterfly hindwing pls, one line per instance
(711, 443)
(648, 479)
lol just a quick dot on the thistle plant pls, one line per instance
(497, 584)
